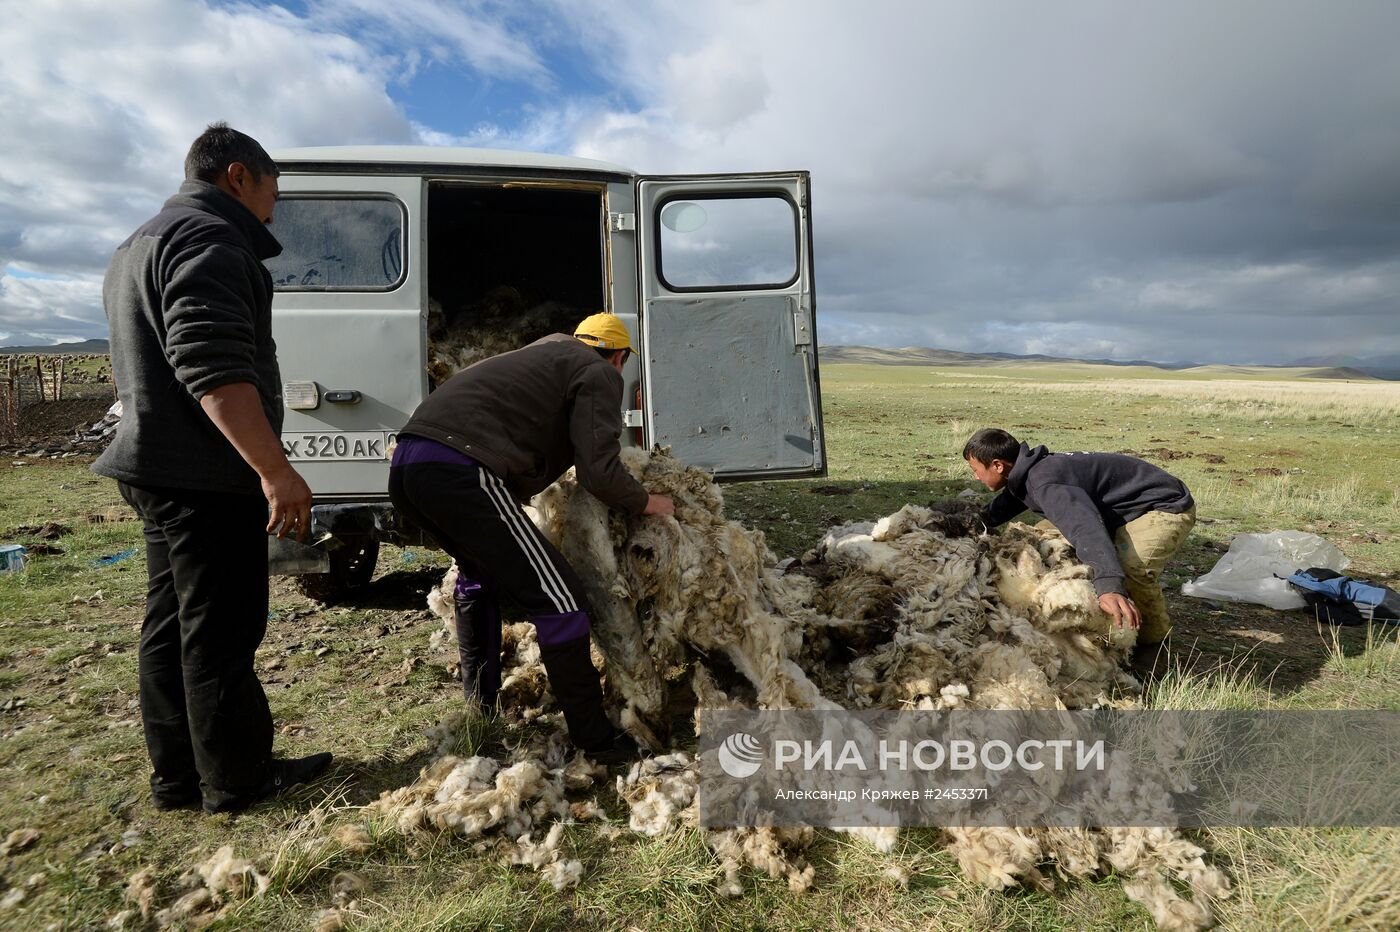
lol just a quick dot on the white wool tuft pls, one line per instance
(227, 876)
(141, 890)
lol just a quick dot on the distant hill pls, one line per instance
(1382, 367)
(86, 347)
(1345, 372)
(928, 356)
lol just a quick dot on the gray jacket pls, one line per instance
(530, 414)
(189, 307)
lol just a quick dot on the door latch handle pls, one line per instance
(342, 396)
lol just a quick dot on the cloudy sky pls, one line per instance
(1209, 181)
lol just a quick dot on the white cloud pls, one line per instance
(1145, 180)
(101, 100)
(438, 31)
(43, 310)
(715, 87)
(539, 130)
(443, 32)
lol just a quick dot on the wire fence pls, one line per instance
(38, 379)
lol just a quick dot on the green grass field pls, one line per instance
(361, 680)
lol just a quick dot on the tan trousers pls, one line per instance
(1144, 547)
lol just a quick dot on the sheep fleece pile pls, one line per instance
(909, 612)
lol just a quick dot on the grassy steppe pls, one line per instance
(361, 680)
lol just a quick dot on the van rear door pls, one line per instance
(347, 318)
(727, 319)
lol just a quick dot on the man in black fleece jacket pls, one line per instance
(1125, 518)
(197, 455)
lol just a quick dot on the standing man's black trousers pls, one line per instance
(207, 724)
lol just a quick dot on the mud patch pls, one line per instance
(50, 531)
(1167, 453)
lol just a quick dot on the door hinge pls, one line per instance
(801, 331)
(632, 418)
(618, 223)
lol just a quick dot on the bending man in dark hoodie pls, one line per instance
(488, 439)
(1125, 518)
(197, 455)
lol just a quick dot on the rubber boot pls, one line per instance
(478, 622)
(1150, 661)
(574, 681)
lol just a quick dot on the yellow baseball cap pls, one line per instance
(605, 331)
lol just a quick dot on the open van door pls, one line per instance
(729, 358)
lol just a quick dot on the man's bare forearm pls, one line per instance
(238, 413)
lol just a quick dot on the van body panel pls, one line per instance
(728, 323)
(370, 342)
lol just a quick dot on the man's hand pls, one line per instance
(237, 412)
(1122, 609)
(289, 502)
(660, 505)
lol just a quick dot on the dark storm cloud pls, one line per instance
(1203, 181)
(1171, 181)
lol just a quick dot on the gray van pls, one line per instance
(401, 265)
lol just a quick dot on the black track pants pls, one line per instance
(207, 725)
(471, 515)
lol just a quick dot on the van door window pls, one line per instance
(726, 242)
(338, 244)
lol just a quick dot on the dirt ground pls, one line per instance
(59, 420)
(1284, 650)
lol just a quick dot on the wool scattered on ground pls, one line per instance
(917, 610)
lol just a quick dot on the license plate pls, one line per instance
(338, 445)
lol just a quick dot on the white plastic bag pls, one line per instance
(1248, 571)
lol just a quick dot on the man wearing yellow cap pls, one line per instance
(488, 439)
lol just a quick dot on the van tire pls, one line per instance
(352, 567)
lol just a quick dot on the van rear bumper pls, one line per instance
(345, 522)
(358, 520)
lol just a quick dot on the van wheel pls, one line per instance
(352, 566)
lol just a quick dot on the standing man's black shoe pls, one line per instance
(169, 803)
(283, 775)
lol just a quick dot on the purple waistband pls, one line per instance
(411, 449)
(560, 629)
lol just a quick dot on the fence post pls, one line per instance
(9, 423)
(5, 405)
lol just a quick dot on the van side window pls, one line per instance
(338, 244)
(716, 243)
